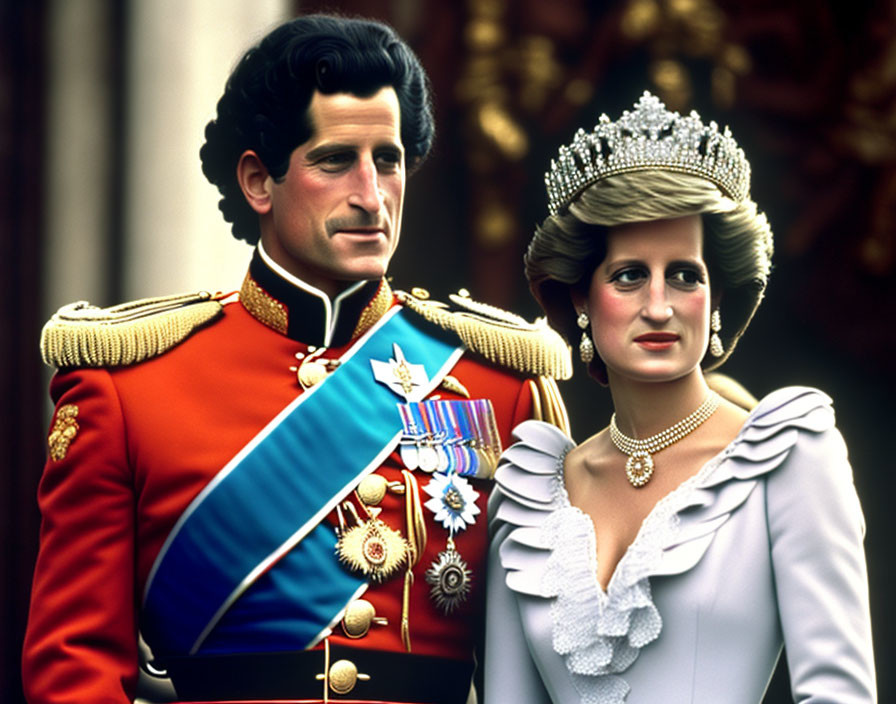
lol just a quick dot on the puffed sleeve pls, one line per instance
(510, 673)
(81, 641)
(817, 529)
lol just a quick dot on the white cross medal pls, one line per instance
(454, 504)
(407, 380)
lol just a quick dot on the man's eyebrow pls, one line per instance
(337, 147)
(326, 149)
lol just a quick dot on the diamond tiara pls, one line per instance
(649, 137)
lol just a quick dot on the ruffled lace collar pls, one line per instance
(600, 633)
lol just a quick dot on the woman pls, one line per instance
(670, 556)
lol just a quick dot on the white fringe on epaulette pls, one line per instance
(501, 337)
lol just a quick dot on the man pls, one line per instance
(283, 492)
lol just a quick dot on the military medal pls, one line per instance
(454, 504)
(419, 444)
(453, 501)
(370, 547)
(402, 377)
(409, 456)
(452, 439)
(449, 579)
(437, 434)
(458, 442)
(477, 422)
(429, 458)
(432, 455)
(411, 382)
(409, 445)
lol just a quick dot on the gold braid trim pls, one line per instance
(547, 405)
(262, 306)
(552, 408)
(376, 309)
(537, 411)
(499, 336)
(82, 335)
(451, 383)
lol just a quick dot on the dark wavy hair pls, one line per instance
(265, 103)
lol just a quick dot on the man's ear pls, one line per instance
(255, 182)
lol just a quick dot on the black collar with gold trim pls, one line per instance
(307, 314)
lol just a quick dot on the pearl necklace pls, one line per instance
(639, 467)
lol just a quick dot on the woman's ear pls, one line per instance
(255, 182)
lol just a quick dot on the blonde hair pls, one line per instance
(568, 246)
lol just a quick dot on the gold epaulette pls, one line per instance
(547, 404)
(82, 335)
(501, 337)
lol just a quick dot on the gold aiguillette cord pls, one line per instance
(416, 528)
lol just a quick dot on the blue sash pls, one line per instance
(258, 523)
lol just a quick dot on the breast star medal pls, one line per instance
(449, 579)
(370, 546)
(453, 501)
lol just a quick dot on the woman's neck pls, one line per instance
(645, 408)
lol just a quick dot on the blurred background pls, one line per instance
(102, 107)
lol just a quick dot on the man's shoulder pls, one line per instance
(83, 335)
(501, 337)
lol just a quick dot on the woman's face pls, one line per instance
(649, 300)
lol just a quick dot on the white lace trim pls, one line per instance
(600, 633)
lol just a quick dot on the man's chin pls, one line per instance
(362, 273)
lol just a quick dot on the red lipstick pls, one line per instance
(657, 340)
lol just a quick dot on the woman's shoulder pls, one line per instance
(812, 474)
(529, 475)
(789, 404)
(784, 424)
(536, 454)
(803, 419)
(789, 418)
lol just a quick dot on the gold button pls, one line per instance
(311, 373)
(358, 617)
(344, 676)
(420, 293)
(372, 489)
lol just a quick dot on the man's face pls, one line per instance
(336, 215)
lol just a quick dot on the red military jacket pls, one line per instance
(130, 446)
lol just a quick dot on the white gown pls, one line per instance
(761, 548)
